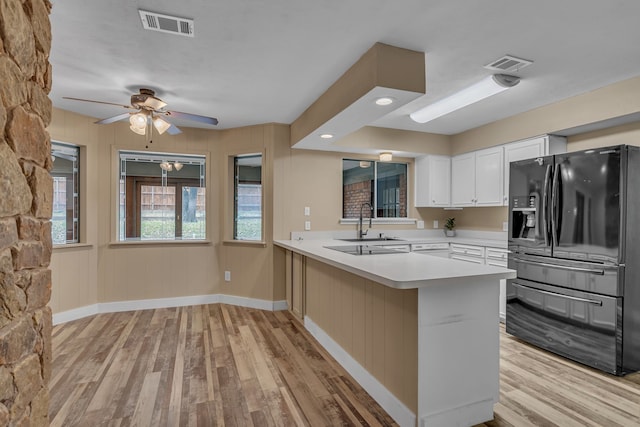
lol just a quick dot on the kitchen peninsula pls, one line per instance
(419, 333)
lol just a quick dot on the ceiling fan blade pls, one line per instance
(193, 117)
(173, 130)
(98, 102)
(112, 119)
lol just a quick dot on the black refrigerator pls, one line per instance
(574, 240)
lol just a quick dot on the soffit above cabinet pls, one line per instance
(349, 104)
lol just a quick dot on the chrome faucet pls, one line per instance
(361, 233)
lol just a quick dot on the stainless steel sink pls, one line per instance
(381, 239)
(364, 249)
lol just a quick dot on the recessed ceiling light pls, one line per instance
(326, 136)
(384, 101)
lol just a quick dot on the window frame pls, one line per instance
(70, 150)
(376, 218)
(119, 234)
(234, 194)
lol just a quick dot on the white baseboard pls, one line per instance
(394, 407)
(76, 313)
(149, 304)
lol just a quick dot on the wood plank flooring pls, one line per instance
(213, 365)
(220, 365)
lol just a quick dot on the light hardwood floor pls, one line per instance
(224, 365)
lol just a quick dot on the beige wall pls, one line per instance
(74, 269)
(611, 101)
(104, 272)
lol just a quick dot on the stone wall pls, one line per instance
(25, 211)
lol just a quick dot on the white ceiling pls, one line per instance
(254, 61)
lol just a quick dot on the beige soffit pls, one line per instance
(349, 104)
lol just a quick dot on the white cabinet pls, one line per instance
(485, 255)
(463, 179)
(528, 149)
(477, 178)
(469, 253)
(498, 257)
(433, 181)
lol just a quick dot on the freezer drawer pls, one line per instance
(580, 276)
(581, 326)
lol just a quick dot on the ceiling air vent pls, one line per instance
(166, 24)
(508, 63)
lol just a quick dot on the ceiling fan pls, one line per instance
(147, 114)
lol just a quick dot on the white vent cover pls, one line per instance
(508, 63)
(166, 24)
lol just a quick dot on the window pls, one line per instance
(247, 207)
(161, 197)
(65, 218)
(381, 184)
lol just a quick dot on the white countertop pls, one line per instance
(401, 270)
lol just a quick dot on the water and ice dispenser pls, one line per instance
(525, 216)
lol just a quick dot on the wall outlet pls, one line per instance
(307, 225)
(436, 224)
(505, 226)
(227, 276)
(420, 225)
(307, 211)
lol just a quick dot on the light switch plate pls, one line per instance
(436, 224)
(420, 225)
(307, 211)
(307, 225)
(505, 226)
(227, 276)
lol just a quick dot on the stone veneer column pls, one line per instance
(26, 190)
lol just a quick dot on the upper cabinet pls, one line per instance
(477, 178)
(528, 149)
(433, 181)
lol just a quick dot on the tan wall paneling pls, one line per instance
(375, 324)
(74, 270)
(618, 99)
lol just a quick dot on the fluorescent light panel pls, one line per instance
(485, 88)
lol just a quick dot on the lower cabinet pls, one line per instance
(498, 258)
(295, 283)
(484, 255)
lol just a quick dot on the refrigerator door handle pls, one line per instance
(554, 205)
(561, 267)
(588, 301)
(545, 205)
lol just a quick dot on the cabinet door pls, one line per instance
(522, 150)
(433, 181)
(463, 180)
(297, 285)
(440, 180)
(489, 177)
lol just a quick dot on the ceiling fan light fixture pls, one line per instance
(138, 120)
(386, 156)
(166, 166)
(161, 124)
(485, 88)
(139, 131)
(177, 165)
